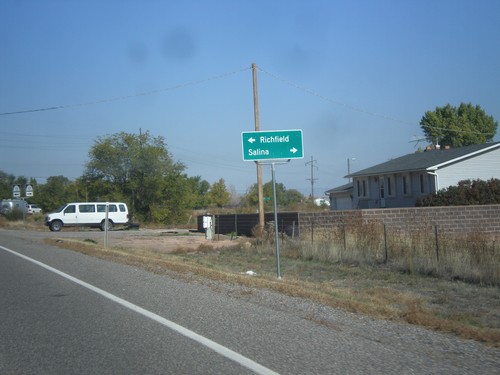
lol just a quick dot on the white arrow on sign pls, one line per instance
(251, 139)
(293, 150)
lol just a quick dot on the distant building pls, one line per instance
(400, 181)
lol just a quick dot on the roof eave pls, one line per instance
(470, 154)
(386, 172)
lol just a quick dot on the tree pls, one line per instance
(175, 202)
(131, 166)
(284, 197)
(6, 184)
(199, 189)
(293, 197)
(218, 194)
(54, 193)
(456, 127)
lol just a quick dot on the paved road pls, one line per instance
(67, 313)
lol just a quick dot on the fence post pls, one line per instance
(345, 239)
(312, 231)
(282, 230)
(217, 227)
(283, 249)
(437, 242)
(385, 243)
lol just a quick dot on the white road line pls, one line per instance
(222, 350)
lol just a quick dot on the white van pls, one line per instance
(87, 214)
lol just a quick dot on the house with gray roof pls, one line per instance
(400, 181)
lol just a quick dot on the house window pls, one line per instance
(423, 188)
(391, 186)
(406, 185)
(361, 187)
(381, 185)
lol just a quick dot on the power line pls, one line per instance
(29, 134)
(119, 98)
(357, 109)
(224, 75)
(336, 102)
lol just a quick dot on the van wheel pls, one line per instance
(103, 225)
(56, 226)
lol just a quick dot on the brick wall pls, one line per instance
(451, 219)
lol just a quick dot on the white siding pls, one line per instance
(482, 167)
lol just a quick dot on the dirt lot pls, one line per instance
(165, 240)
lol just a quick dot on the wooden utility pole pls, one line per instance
(260, 188)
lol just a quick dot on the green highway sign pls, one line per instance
(272, 145)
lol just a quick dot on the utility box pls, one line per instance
(208, 225)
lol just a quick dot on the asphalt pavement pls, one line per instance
(65, 312)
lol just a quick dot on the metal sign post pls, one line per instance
(106, 222)
(278, 271)
(275, 207)
(277, 147)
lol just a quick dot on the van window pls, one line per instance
(85, 208)
(122, 208)
(70, 209)
(102, 208)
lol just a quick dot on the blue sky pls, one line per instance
(355, 76)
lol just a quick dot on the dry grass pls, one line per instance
(31, 222)
(473, 257)
(467, 310)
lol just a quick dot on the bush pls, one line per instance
(467, 192)
(14, 215)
